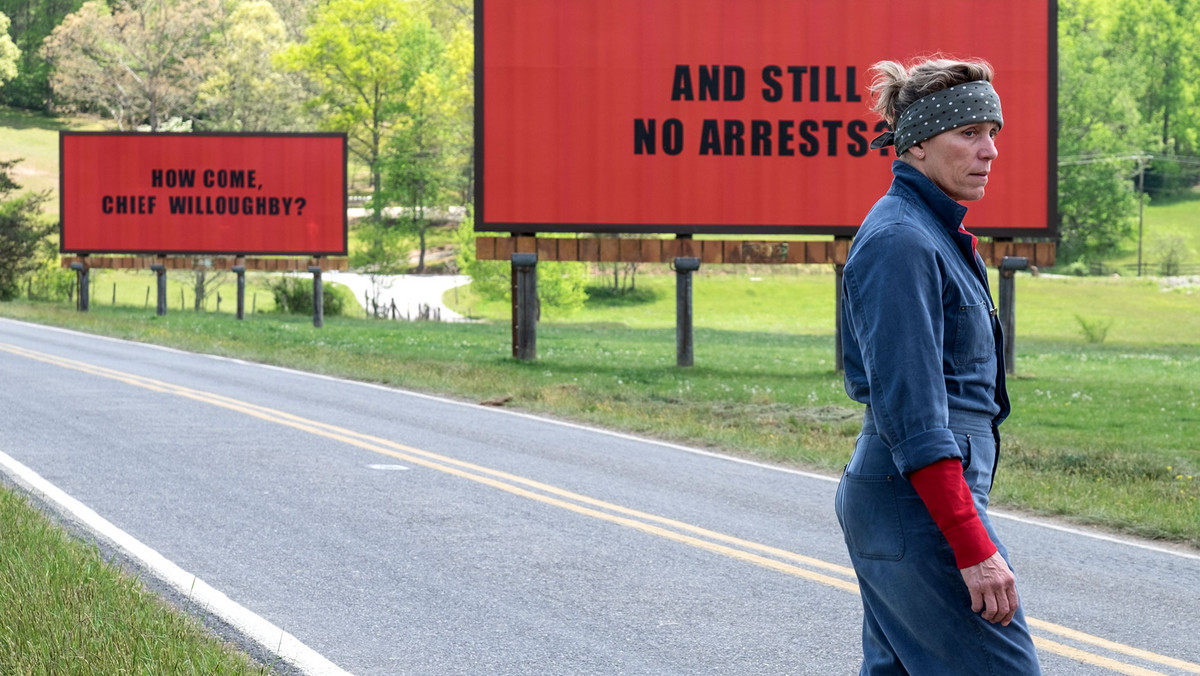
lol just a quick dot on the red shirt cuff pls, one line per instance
(945, 493)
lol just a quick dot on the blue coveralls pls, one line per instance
(923, 351)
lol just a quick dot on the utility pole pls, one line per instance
(1141, 202)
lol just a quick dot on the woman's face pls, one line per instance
(958, 161)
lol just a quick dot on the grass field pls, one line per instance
(63, 610)
(1171, 224)
(1102, 432)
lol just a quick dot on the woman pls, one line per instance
(923, 351)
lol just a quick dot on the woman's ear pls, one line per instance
(918, 151)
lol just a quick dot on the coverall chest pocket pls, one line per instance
(974, 341)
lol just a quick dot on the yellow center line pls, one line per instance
(1091, 658)
(683, 533)
(1073, 634)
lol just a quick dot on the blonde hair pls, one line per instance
(895, 86)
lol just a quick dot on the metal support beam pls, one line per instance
(318, 297)
(160, 274)
(525, 306)
(839, 361)
(685, 354)
(1008, 307)
(240, 271)
(81, 282)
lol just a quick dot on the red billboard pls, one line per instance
(737, 116)
(235, 194)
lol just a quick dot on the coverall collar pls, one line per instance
(909, 180)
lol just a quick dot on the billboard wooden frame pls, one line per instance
(1037, 224)
(339, 242)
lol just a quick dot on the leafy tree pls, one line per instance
(1163, 38)
(365, 57)
(9, 54)
(244, 91)
(561, 286)
(142, 62)
(32, 21)
(454, 20)
(1100, 132)
(296, 16)
(21, 231)
(384, 255)
(415, 171)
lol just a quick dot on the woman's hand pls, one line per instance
(993, 589)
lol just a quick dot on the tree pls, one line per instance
(415, 171)
(21, 231)
(32, 21)
(202, 285)
(1161, 37)
(142, 62)
(244, 91)
(9, 54)
(365, 57)
(454, 20)
(1100, 132)
(296, 16)
(561, 286)
(383, 256)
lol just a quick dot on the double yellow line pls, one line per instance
(779, 560)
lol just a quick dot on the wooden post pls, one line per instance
(526, 306)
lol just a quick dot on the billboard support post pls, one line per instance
(160, 272)
(839, 360)
(81, 282)
(838, 270)
(318, 297)
(525, 309)
(684, 343)
(1008, 307)
(240, 271)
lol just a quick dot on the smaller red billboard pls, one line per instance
(234, 194)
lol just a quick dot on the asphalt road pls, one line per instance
(395, 533)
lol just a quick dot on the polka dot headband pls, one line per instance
(931, 115)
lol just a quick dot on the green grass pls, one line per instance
(138, 289)
(34, 139)
(1100, 431)
(1168, 221)
(64, 610)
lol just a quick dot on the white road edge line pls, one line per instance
(270, 637)
(1095, 535)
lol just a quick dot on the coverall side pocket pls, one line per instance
(870, 516)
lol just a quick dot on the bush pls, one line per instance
(1094, 331)
(294, 295)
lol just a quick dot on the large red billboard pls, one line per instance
(737, 116)
(236, 194)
